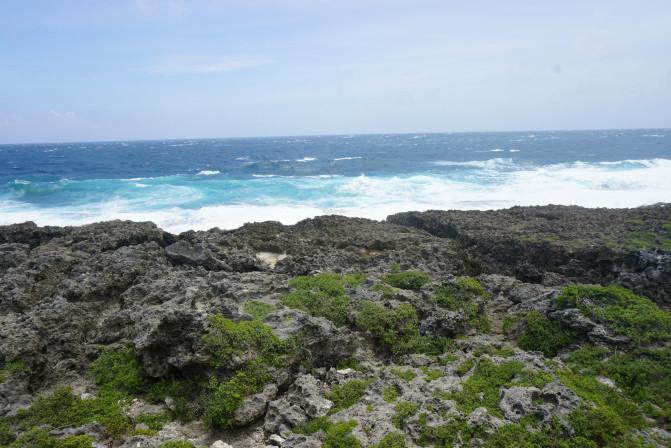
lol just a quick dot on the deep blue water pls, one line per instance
(182, 184)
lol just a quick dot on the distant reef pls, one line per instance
(526, 327)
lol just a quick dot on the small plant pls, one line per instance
(404, 410)
(464, 367)
(620, 309)
(178, 444)
(62, 409)
(467, 295)
(390, 394)
(118, 370)
(315, 425)
(407, 375)
(543, 335)
(257, 309)
(431, 375)
(397, 330)
(411, 280)
(482, 387)
(339, 435)
(14, 368)
(154, 422)
(392, 440)
(347, 394)
(322, 295)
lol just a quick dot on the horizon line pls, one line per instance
(139, 140)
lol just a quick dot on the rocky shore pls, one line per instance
(526, 327)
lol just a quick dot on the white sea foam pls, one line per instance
(208, 173)
(513, 150)
(625, 183)
(496, 150)
(348, 158)
(654, 135)
(306, 159)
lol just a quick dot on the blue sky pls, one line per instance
(140, 69)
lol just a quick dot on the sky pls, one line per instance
(82, 70)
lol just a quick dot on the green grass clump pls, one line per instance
(40, 438)
(257, 309)
(154, 422)
(482, 387)
(322, 295)
(489, 349)
(431, 375)
(411, 280)
(404, 410)
(651, 240)
(464, 367)
(390, 394)
(407, 375)
(6, 432)
(643, 375)
(178, 444)
(543, 335)
(392, 440)
(620, 309)
(347, 394)
(63, 409)
(254, 350)
(14, 368)
(350, 363)
(185, 394)
(397, 330)
(118, 370)
(339, 435)
(467, 295)
(315, 425)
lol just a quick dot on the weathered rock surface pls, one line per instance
(68, 292)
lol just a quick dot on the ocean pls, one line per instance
(204, 183)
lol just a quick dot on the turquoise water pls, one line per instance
(199, 184)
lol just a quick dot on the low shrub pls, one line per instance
(322, 295)
(347, 394)
(257, 309)
(410, 280)
(178, 444)
(390, 394)
(118, 370)
(392, 440)
(467, 295)
(339, 435)
(543, 335)
(404, 410)
(14, 368)
(620, 309)
(407, 375)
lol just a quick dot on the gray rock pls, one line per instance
(254, 406)
(304, 400)
(518, 402)
(183, 253)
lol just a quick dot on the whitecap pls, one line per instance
(496, 150)
(306, 159)
(208, 173)
(513, 150)
(348, 158)
(654, 135)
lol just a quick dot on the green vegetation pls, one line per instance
(339, 435)
(621, 310)
(14, 368)
(407, 374)
(651, 240)
(465, 294)
(411, 280)
(347, 394)
(178, 444)
(322, 295)
(387, 291)
(489, 349)
(227, 342)
(397, 331)
(315, 425)
(350, 363)
(118, 370)
(63, 409)
(465, 367)
(154, 422)
(185, 394)
(543, 335)
(482, 387)
(390, 394)
(643, 376)
(257, 309)
(404, 410)
(40, 438)
(431, 375)
(392, 440)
